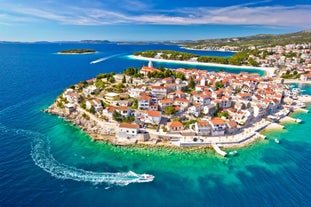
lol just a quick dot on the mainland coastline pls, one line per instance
(269, 71)
(132, 111)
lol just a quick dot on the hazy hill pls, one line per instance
(255, 40)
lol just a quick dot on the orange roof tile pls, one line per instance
(153, 113)
(128, 125)
(217, 121)
(203, 123)
(175, 124)
(144, 98)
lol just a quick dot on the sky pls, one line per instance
(149, 20)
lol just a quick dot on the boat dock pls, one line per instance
(218, 150)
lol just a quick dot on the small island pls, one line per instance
(178, 107)
(77, 51)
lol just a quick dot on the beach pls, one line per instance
(268, 71)
(296, 81)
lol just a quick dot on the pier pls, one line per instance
(218, 150)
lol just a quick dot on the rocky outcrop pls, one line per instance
(76, 117)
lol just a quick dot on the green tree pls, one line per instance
(124, 79)
(191, 84)
(83, 104)
(92, 110)
(221, 114)
(117, 116)
(135, 104)
(131, 71)
(111, 79)
(180, 76)
(169, 110)
(219, 85)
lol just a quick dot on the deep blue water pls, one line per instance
(32, 75)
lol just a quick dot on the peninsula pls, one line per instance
(77, 51)
(177, 107)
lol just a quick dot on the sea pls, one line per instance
(46, 161)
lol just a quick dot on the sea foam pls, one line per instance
(42, 157)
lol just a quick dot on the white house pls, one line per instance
(111, 97)
(144, 102)
(165, 103)
(219, 126)
(195, 110)
(134, 92)
(90, 90)
(201, 128)
(225, 102)
(182, 103)
(95, 103)
(203, 99)
(305, 77)
(71, 96)
(175, 126)
(209, 109)
(232, 127)
(125, 111)
(259, 111)
(152, 117)
(245, 96)
(128, 130)
(158, 90)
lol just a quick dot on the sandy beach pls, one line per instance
(268, 71)
(305, 98)
(296, 81)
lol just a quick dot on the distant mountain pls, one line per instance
(254, 40)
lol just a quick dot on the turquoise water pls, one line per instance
(38, 151)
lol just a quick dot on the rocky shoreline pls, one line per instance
(92, 129)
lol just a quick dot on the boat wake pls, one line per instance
(104, 58)
(41, 155)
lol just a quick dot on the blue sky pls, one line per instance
(132, 20)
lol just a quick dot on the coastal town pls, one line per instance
(291, 61)
(178, 107)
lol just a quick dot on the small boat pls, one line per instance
(298, 120)
(296, 90)
(277, 141)
(233, 152)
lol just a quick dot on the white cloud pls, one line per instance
(272, 16)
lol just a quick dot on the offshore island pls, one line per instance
(178, 107)
(77, 51)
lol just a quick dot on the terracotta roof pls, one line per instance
(204, 96)
(147, 69)
(182, 100)
(158, 87)
(110, 109)
(128, 125)
(168, 79)
(232, 124)
(203, 123)
(179, 92)
(175, 124)
(91, 80)
(165, 101)
(170, 85)
(245, 94)
(145, 98)
(123, 108)
(153, 113)
(217, 121)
